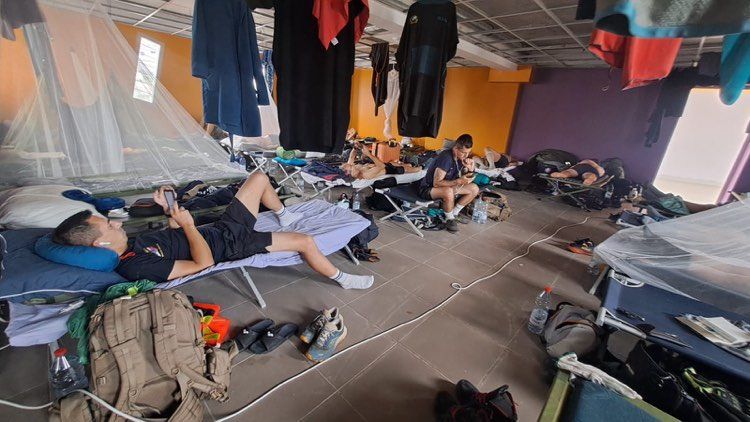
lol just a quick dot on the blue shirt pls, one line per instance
(447, 163)
(225, 55)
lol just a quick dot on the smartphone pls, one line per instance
(171, 198)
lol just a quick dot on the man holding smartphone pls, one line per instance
(184, 249)
(450, 178)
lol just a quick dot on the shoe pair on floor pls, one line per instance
(474, 406)
(263, 336)
(323, 334)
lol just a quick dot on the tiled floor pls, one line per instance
(479, 334)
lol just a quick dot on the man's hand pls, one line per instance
(467, 178)
(182, 217)
(160, 199)
(469, 164)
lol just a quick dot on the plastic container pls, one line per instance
(541, 311)
(66, 374)
(479, 215)
(357, 201)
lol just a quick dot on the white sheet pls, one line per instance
(401, 179)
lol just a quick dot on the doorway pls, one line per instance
(704, 147)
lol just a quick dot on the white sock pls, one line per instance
(457, 209)
(286, 217)
(351, 281)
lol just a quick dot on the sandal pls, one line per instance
(273, 338)
(250, 334)
(582, 246)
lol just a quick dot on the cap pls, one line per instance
(547, 289)
(61, 352)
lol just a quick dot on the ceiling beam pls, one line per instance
(392, 20)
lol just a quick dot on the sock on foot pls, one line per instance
(287, 217)
(457, 209)
(351, 281)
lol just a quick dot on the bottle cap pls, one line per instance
(547, 289)
(61, 352)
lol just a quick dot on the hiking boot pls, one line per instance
(451, 225)
(495, 405)
(328, 338)
(311, 331)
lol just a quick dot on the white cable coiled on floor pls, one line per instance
(457, 286)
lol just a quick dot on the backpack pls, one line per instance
(367, 235)
(148, 360)
(571, 329)
(145, 207)
(378, 202)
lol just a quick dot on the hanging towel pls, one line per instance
(428, 42)
(735, 67)
(225, 55)
(671, 19)
(333, 15)
(643, 60)
(390, 102)
(380, 59)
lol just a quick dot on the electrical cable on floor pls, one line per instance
(458, 289)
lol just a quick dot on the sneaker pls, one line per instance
(451, 225)
(495, 405)
(311, 331)
(328, 338)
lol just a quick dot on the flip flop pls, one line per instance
(582, 246)
(251, 333)
(273, 338)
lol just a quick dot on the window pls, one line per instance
(149, 57)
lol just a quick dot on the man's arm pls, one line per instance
(440, 182)
(199, 250)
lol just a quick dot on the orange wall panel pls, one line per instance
(472, 105)
(175, 73)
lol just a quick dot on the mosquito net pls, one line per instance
(77, 103)
(704, 255)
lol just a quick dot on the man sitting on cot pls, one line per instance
(450, 175)
(375, 169)
(587, 170)
(495, 160)
(184, 249)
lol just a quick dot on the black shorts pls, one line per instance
(237, 229)
(391, 169)
(502, 162)
(584, 168)
(425, 192)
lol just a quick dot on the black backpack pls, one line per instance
(367, 235)
(378, 201)
(614, 167)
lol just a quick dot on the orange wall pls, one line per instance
(16, 80)
(472, 105)
(175, 72)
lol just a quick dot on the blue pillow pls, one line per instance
(88, 257)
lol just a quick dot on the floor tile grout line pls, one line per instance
(27, 390)
(503, 353)
(354, 377)
(387, 281)
(425, 361)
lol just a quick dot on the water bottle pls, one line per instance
(539, 315)
(301, 184)
(479, 215)
(66, 375)
(357, 201)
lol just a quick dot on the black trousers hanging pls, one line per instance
(313, 84)
(379, 58)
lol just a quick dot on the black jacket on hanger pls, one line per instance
(380, 61)
(428, 42)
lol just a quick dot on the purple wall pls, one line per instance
(567, 109)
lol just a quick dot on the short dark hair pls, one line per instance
(465, 141)
(76, 230)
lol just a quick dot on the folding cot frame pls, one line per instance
(265, 165)
(577, 186)
(405, 194)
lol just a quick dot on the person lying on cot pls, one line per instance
(587, 170)
(495, 160)
(184, 249)
(375, 169)
(451, 175)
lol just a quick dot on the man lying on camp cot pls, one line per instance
(184, 249)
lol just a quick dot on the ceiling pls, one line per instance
(527, 32)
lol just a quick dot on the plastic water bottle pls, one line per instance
(66, 375)
(539, 315)
(479, 215)
(357, 201)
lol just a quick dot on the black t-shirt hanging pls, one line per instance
(428, 43)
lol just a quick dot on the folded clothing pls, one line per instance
(101, 204)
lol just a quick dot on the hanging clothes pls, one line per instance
(428, 42)
(643, 60)
(16, 13)
(673, 19)
(334, 15)
(390, 102)
(267, 61)
(734, 73)
(586, 10)
(380, 60)
(313, 84)
(225, 55)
